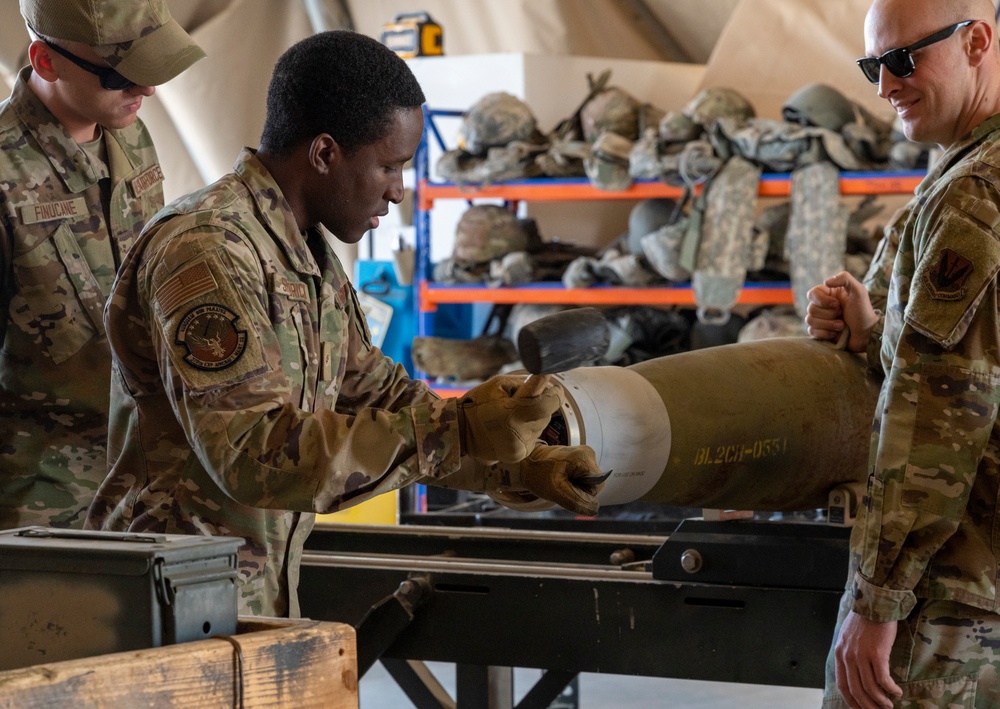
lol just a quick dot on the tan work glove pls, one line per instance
(496, 427)
(565, 475)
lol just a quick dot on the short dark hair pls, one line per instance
(340, 82)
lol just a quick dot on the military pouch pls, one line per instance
(662, 249)
(816, 240)
(608, 165)
(644, 158)
(726, 236)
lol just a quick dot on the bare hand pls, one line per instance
(862, 655)
(841, 302)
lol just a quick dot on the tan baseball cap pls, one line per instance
(138, 38)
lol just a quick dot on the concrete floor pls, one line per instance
(379, 691)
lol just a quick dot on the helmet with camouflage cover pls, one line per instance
(495, 120)
(489, 231)
(675, 127)
(819, 105)
(612, 110)
(718, 102)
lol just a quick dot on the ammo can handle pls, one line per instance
(48, 533)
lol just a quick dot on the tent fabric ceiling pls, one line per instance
(201, 119)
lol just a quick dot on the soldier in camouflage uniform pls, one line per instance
(919, 624)
(79, 180)
(246, 392)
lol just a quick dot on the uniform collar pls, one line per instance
(274, 211)
(959, 150)
(68, 160)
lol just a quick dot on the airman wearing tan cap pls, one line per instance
(80, 179)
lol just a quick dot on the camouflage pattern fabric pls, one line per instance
(516, 160)
(718, 102)
(608, 164)
(927, 525)
(726, 236)
(488, 231)
(662, 249)
(612, 109)
(779, 321)
(564, 158)
(246, 393)
(817, 229)
(675, 127)
(945, 655)
(463, 360)
(64, 232)
(494, 121)
(644, 158)
(781, 146)
(513, 269)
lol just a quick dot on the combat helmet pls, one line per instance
(675, 127)
(718, 102)
(647, 216)
(612, 110)
(819, 105)
(488, 231)
(494, 121)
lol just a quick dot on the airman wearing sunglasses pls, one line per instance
(79, 180)
(920, 620)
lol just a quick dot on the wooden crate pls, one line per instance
(285, 663)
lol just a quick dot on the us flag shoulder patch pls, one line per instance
(192, 282)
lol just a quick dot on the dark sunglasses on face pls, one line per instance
(899, 61)
(109, 78)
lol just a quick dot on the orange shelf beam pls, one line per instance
(546, 190)
(431, 296)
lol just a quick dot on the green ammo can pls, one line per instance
(67, 594)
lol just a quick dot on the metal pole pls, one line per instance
(322, 17)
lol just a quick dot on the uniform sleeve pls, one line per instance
(938, 409)
(371, 379)
(876, 282)
(6, 272)
(220, 358)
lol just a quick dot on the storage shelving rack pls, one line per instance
(429, 295)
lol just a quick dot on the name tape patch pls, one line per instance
(292, 290)
(50, 211)
(151, 177)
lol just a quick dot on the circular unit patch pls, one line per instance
(210, 335)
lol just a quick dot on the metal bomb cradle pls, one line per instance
(776, 425)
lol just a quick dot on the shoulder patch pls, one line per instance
(192, 282)
(211, 336)
(946, 279)
(957, 264)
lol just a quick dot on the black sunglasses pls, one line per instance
(109, 78)
(899, 61)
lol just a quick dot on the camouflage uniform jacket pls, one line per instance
(246, 392)
(63, 232)
(928, 525)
